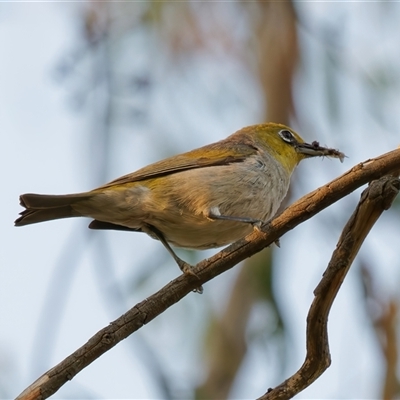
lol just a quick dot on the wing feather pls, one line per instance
(220, 153)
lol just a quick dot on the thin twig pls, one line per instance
(145, 311)
(374, 200)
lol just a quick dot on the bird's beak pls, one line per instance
(315, 150)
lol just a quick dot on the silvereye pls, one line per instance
(202, 199)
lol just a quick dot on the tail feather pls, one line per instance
(40, 207)
(31, 216)
(44, 201)
(96, 224)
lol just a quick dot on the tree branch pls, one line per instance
(374, 200)
(145, 311)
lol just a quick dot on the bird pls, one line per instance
(202, 199)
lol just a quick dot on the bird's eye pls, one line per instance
(287, 136)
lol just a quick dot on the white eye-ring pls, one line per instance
(287, 136)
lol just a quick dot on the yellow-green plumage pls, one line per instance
(205, 198)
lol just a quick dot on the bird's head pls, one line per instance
(287, 146)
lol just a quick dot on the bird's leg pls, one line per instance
(183, 265)
(215, 214)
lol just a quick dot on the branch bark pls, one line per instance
(148, 309)
(377, 198)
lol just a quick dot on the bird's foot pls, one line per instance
(187, 269)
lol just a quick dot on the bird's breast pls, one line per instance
(179, 204)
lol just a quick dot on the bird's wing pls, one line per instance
(220, 153)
